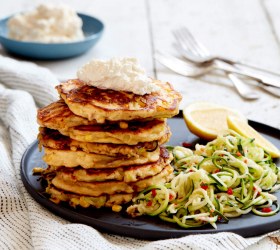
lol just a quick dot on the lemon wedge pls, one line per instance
(246, 130)
(208, 120)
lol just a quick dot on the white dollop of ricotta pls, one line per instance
(48, 23)
(121, 74)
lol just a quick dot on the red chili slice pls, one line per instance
(149, 203)
(266, 209)
(186, 144)
(204, 186)
(229, 191)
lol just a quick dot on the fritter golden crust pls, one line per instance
(131, 133)
(57, 115)
(126, 174)
(57, 195)
(104, 104)
(71, 159)
(53, 139)
(67, 183)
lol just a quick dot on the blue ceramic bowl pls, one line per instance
(92, 29)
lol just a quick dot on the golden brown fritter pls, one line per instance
(127, 174)
(71, 159)
(126, 133)
(58, 195)
(57, 115)
(67, 183)
(105, 104)
(53, 139)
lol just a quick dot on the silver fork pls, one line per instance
(196, 53)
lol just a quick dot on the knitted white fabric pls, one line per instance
(27, 225)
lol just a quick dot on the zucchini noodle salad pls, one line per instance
(228, 177)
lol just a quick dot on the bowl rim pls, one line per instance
(3, 22)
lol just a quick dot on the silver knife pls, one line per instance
(179, 67)
(264, 77)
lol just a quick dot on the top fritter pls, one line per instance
(105, 104)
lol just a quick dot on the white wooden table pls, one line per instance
(243, 30)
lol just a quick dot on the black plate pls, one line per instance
(145, 227)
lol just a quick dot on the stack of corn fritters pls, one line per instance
(102, 146)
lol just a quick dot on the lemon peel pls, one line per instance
(207, 120)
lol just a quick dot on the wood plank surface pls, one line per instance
(236, 29)
(272, 9)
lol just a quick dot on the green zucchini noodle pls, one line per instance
(228, 177)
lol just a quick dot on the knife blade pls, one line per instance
(261, 77)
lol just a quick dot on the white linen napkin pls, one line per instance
(27, 225)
